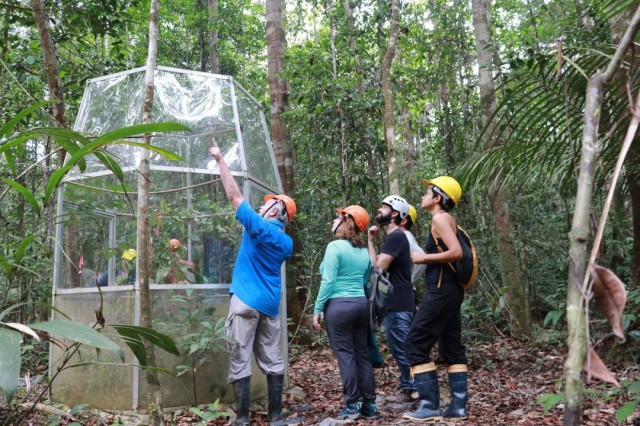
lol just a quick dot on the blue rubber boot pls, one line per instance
(458, 388)
(425, 377)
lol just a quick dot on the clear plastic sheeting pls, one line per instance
(194, 237)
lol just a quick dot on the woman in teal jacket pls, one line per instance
(341, 300)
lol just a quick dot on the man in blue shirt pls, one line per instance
(253, 325)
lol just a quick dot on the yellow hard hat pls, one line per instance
(413, 213)
(129, 254)
(448, 185)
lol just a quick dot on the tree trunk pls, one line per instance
(385, 78)
(359, 90)
(214, 55)
(56, 96)
(50, 64)
(578, 280)
(285, 158)
(634, 190)
(203, 36)
(521, 322)
(144, 243)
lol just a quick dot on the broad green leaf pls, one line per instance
(24, 244)
(11, 308)
(9, 125)
(6, 267)
(160, 340)
(21, 328)
(57, 177)
(141, 129)
(26, 194)
(626, 410)
(9, 361)
(79, 333)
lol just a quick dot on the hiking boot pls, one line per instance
(369, 410)
(350, 411)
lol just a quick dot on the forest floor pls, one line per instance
(506, 379)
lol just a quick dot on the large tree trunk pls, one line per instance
(285, 158)
(387, 117)
(144, 243)
(521, 322)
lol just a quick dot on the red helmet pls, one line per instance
(359, 215)
(289, 204)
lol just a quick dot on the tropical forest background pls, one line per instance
(527, 103)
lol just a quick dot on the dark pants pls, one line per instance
(347, 321)
(437, 320)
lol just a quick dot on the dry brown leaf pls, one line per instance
(610, 296)
(598, 368)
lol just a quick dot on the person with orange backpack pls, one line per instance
(438, 318)
(341, 300)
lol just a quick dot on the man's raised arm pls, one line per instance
(228, 181)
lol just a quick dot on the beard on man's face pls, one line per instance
(383, 219)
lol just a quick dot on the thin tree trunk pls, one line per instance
(634, 191)
(56, 95)
(343, 125)
(50, 64)
(285, 158)
(203, 36)
(497, 197)
(385, 78)
(579, 235)
(360, 90)
(214, 55)
(144, 243)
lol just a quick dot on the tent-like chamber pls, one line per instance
(194, 235)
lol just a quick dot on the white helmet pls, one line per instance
(398, 204)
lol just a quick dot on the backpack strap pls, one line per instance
(441, 251)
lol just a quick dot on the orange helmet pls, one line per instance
(289, 204)
(359, 215)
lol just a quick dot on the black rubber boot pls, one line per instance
(458, 388)
(241, 390)
(429, 391)
(274, 389)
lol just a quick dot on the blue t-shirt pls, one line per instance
(256, 274)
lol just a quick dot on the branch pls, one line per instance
(624, 45)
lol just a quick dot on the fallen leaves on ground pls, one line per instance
(506, 379)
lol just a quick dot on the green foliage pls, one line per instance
(200, 336)
(550, 400)
(632, 390)
(211, 413)
(134, 336)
